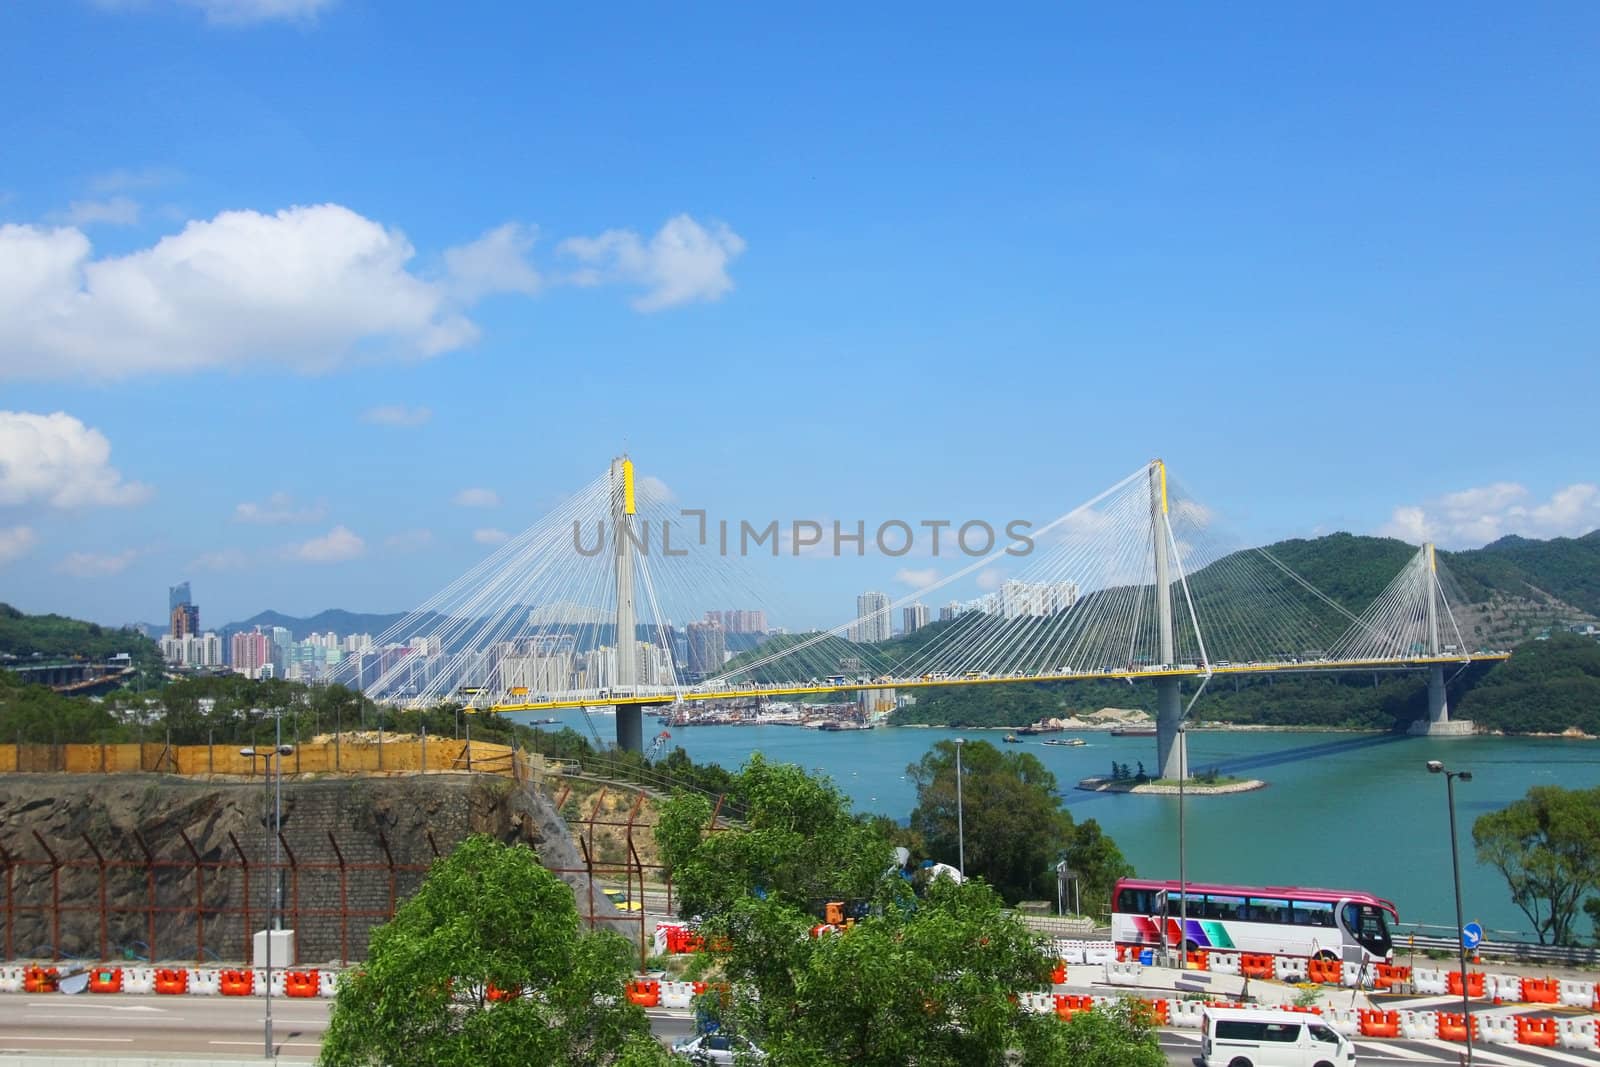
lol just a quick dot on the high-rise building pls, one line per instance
(950, 611)
(176, 595)
(708, 648)
(192, 650)
(913, 617)
(252, 654)
(872, 618)
(185, 621)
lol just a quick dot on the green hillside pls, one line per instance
(56, 637)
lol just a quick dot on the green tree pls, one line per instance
(1098, 863)
(1118, 1035)
(487, 914)
(1015, 827)
(929, 984)
(1547, 845)
(799, 843)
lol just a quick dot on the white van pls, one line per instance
(1257, 1037)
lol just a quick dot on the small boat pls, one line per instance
(1011, 739)
(1066, 742)
(1133, 731)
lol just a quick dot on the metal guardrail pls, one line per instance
(1516, 950)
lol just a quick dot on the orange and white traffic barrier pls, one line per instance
(1037, 1003)
(300, 983)
(645, 992)
(205, 983)
(1429, 982)
(1419, 1025)
(1378, 1023)
(1223, 962)
(1503, 987)
(1576, 994)
(10, 979)
(1452, 1026)
(237, 983)
(138, 979)
(1541, 990)
(1541, 1033)
(1291, 968)
(1345, 1020)
(170, 980)
(1577, 1033)
(328, 983)
(1497, 1029)
(260, 988)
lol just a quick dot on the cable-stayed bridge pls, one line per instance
(1138, 583)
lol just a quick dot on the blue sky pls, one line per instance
(297, 273)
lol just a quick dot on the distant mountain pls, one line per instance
(338, 620)
(1566, 568)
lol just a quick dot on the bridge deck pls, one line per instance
(653, 696)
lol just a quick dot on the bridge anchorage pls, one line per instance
(1139, 583)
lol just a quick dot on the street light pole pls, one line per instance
(961, 831)
(274, 765)
(1436, 767)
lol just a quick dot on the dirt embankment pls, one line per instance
(156, 866)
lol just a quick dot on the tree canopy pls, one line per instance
(1015, 826)
(925, 979)
(488, 914)
(1547, 845)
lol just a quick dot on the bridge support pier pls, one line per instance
(1170, 755)
(630, 727)
(1438, 723)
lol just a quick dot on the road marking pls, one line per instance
(54, 1037)
(139, 1007)
(1368, 1048)
(275, 1044)
(1540, 1051)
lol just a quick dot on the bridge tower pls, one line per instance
(1438, 722)
(630, 717)
(1170, 754)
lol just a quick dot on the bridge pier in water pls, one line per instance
(1170, 755)
(630, 727)
(1438, 723)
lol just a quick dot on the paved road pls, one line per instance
(124, 1024)
(231, 1028)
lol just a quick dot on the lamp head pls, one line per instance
(1465, 776)
(285, 750)
(248, 752)
(1435, 767)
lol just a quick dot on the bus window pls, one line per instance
(1136, 902)
(1224, 907)
(1268, 910)
(1313, 913)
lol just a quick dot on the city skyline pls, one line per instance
(1353, 302)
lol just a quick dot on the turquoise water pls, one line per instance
(1340, 810)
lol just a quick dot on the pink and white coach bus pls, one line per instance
(1282, 920)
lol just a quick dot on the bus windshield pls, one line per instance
(1368, 926)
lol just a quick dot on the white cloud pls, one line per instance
(917, 579)
(236, 12)
(94, 565)
(15, 541)
(57, 460)
(114, 211)
(477, 498)
(278, 508)
(227, 559)
(337, 544)
(409, 540)
(397, 415)
(489, 536)
(683, 262)
(308, 289)
(494, 263)
(1477, 516)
